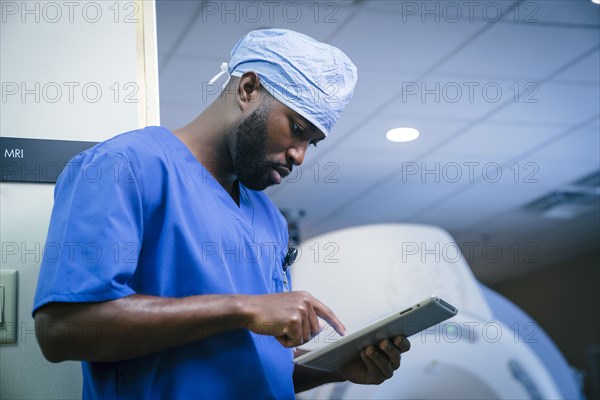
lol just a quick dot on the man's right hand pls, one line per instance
(292, 318)
(137, 325)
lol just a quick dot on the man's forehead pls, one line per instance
(305, 122)
(309, 124)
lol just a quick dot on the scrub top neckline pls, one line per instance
(203, 175)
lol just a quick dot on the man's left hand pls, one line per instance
(376, 363)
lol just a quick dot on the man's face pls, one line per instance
(269, 142)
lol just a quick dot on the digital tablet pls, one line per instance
(421, 316)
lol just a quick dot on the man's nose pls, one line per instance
(296, 153)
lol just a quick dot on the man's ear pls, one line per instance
(249, 89)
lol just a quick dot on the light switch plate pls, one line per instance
(8, 306)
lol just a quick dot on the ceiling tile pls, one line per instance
(488, 173)
(222, 24)
(439, 11)
(388, 43)
(555, 103)
(518, 49)
(579, 12)
(477, 203)
(447, 97)
(502, 141)
(392, 201)
(327, 184)
(374, 89)
(582, 146)
(586, 70)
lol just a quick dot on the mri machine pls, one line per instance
(490, 350)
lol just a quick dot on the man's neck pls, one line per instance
(212, 154)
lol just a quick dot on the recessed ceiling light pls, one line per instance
(402, 134)
(596, 1)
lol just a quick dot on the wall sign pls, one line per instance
(36, 160)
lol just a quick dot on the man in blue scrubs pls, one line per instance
(162, 269)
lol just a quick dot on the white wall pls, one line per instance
(69, 70)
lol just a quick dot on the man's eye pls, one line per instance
(297, 129)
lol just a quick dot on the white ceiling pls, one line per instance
(519, 93)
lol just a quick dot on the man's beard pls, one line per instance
(251, 166)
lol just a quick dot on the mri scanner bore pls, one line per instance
(490, 350)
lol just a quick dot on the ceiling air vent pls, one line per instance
(573, 200)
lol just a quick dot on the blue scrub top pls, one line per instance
(139, 214)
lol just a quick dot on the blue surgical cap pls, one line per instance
(312, 78)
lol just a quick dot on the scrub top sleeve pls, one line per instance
(95, 232)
